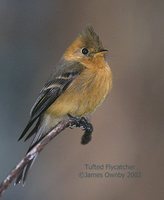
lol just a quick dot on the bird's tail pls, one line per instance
(45, 124)
(23, 174)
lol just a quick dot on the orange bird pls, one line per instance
(80, 83)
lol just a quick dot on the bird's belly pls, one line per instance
(83, 96)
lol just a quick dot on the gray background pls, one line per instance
(128, 127)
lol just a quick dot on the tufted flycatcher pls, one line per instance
(81, 81)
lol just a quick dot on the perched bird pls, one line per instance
(80, 83)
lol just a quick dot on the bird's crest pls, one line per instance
(90, 38)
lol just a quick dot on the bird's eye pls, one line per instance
(85, 51)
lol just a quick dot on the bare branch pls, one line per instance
(35, 150)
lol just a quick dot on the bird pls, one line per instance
(79, 84)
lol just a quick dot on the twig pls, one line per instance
(35, 150)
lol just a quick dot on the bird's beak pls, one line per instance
(103, 50)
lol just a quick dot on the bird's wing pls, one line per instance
(51, 91)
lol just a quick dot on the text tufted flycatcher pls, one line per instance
(81, 81)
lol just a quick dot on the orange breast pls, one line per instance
(84, 94)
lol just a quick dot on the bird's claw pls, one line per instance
(84, 125)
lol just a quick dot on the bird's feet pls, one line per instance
(85, 125)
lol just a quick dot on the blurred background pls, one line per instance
(128, 127)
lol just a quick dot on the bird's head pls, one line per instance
(87, 47)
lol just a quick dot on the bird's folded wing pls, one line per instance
(51, 91)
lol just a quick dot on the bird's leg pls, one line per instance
(85, 125)
(87, 136)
